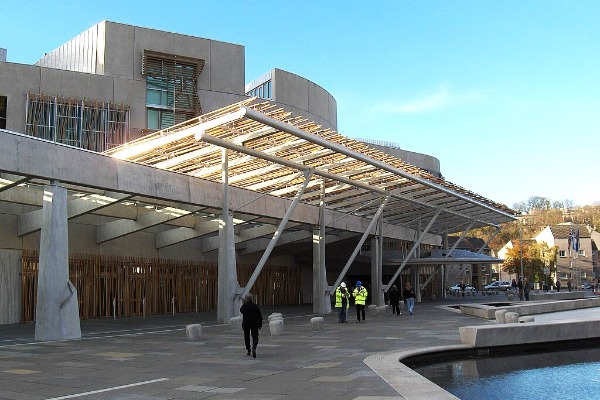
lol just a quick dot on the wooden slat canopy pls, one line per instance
(269, 146)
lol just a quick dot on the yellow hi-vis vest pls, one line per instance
(360, 295)
(339, 296)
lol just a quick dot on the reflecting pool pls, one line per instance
(572, 374)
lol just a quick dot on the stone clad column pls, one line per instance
(321, 296)
(228, 304)
(376, 294)
(57, 308)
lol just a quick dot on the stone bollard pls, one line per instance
(316, 323)
(380, 311)
(510, 296)
(511, 318)
(193, 332)
(500, 316)
(372, 309)
(235, 323)
(276, 327)
(274, 316)
(527, 318)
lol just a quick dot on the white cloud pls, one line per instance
(441, 98)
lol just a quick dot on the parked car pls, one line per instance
(498, 285)
(456, 288)
(587, 285)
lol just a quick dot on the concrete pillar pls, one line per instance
(228, 304)
(416, 271)
(321, 295)
(377, 297)
(57, 308)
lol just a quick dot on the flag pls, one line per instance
(570, 238)
(576, 241)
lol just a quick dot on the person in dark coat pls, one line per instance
(395, 300)
(251, 323)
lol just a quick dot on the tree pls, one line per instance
(536, 257)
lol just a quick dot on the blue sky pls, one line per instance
(506, 94)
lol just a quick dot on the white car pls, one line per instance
(498, 285)
(456, 288)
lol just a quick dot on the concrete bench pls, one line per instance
(534, 332)
(193, 332)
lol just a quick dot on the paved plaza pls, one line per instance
(151, 358)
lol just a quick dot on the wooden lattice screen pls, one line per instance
(127, 286)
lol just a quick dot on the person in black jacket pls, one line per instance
(251, 323)
(395, 300)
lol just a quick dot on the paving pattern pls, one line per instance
(150, 358)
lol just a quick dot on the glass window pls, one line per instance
(3, 112)
(562, 253)
(152, 119)
(582, 253)
(153, 97)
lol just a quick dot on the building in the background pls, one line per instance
(575, 254)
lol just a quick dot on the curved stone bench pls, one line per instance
(193, 332)
(534, 332)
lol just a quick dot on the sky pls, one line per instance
(506, 93)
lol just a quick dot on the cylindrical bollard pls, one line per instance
(500, 316)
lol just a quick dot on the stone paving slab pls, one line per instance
(150, 358)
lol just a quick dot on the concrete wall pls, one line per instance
(10, 286)
(423, 161)
(303, 97)
(104, 63)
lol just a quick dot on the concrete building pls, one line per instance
(239, 194)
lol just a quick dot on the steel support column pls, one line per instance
(415, 246)
(308, 175)
(361, 242)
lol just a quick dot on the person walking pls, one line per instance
(395, 300)
(251, 323)
(342, 297)
(569, 285)
(558, 285)
(409, 297)
(360, 298)
(520, 287)
(526, 288)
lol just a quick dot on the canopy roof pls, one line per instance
(270, 148)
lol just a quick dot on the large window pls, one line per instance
(91, 125)
(3, 105)
(171, 88)
(263, 91)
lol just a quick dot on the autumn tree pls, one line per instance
(536, 257)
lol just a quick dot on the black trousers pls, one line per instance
(396, 309)
(360, 310)
(254, 332)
